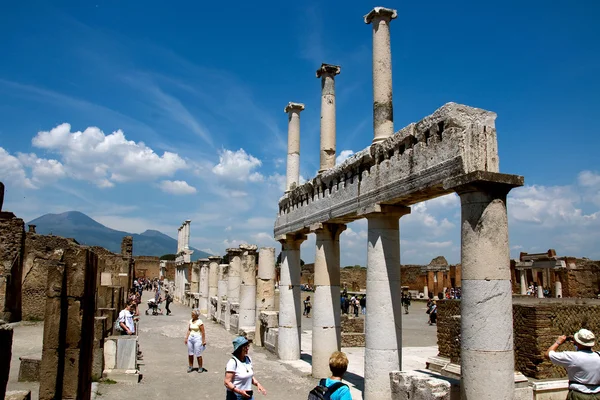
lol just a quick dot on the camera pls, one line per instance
(570, 339)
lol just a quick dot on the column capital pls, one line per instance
(337, 228)
(483, 180)
(328, 69)
(381, 12)
(293, 107)
(383, 209)
(251, 248)
(188, 221)
(214, 258)
(290, 237)
(234, 251)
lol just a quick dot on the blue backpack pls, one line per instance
(322, 392)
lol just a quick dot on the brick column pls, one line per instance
(487, 356)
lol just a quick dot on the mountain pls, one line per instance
(74, 224)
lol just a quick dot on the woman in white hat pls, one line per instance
(582, 365)
(239, 373)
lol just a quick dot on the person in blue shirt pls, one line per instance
(338, 364)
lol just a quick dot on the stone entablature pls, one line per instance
(406, 168)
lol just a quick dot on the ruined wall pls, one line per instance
(410, 275)
(170, 271)
(118, 267)
(536, 323)
(12, 247)
(147, 266)
(581, 279)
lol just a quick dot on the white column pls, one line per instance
(247, 317)
(558, 289)
(233, 287)
(383, 110)
(327, 331)
(265, 287)
(293, 159)
(179, 241)
(187, 233)
(425, 292)
(213, 284)
(222, 290)
(327, 74)
(383, 322)
(540, 292)
(523, 274)
(288, 347)
(487, 356)
(203, 289)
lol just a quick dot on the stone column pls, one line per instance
(327, 331)
(203, 290)
(247, 318)
(431, 283)
(233, 288)
(327, 74)
(540, 292)
(293, 159)
(179, 241)
(187, 233)
(383, 322)
(265, 287)
(6, 340)
(425, 292)
(487, 357)
(523, 282)
(558, 289)
(383, 111)
(290, 313)
(222, 290)
(213, 279)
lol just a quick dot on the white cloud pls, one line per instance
(13, 171)
(42, 170)
(177, 187)
(589, 179)
(344, 155)
(237, 166)
(105, 159)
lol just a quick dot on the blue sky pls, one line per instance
(143, 114)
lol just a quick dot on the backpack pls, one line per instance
(117, 327)
(322, 392)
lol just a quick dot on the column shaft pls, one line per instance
(327, 74)
(203, 289)
(293, 158)
(265, 288)
(213, 284)
(523, 282)
(288, 347)
(327, 330)
(383, 323)
(247, 316)
(234, 279)
(222, 292)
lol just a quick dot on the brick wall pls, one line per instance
(448, 329)
(149, 264)
(12, 246)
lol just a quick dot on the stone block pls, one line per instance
(105, 279)
(110, 352)
(249, 333)
(234, 323)
(123, 375)
(269, 319)
(18, 395)
(271, 340)
(126, 352)
(29, 370)
(415, 385)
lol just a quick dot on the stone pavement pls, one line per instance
(165, 359)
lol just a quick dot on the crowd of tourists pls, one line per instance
(532, 290)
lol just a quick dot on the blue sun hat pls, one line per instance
(239, 342)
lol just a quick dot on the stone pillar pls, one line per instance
(265, 288)
(233, 288)
(6, 340)
(425, 292)
(431, 282)
(383, 111)
(32, 228)
(213, 283)
(247, 318)
(203, 304)
(293, 159)
(383, 322)
(289, 298)
(540, 292)
(12, 255)
(487, 356)
(558, 289)
(327, 74)
(179, 241)
(222, 290)
(186, 239)
(522, 272)
(327, 331)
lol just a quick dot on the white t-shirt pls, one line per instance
(582, 367)
(127, 317)
(243, 373)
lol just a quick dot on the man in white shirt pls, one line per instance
(582, 365)
(126, 320)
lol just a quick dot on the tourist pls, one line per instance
(168, 301)
(336, 390)
(363, 304)
(582, 365)
(126, 320)
(307, 307)
(356, 306)
(406, 302)
(195, 339)
(343, 304)
(239, 372)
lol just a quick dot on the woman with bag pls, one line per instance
(195, 339)
(239, 373)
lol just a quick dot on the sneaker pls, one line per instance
(190, 369)
(201, 370)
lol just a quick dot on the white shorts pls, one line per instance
(195, 347)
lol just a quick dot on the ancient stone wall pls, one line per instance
(12, 247)
(170, 271)
(410, 275)
(581, 279)
(147, 266)
(536, 323)
(114, 264)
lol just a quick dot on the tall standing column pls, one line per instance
(288, 346)
(187, 233)
(327, 74)
(234, 279)
(383, 322)
(222, 293)
(523, 282)
(203, 287)
(179, 241)
(248, 288)
(383, 110)
(327, 331)
(487, 357)
(265, 287)
(293, 159)
(213, 284)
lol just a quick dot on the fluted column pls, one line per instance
(327, 330)
(327, 74)
(383, 322)
(288, 347)
(265, 287)
(383, 110)
(293, 159)
(247, 317)
(487, 357)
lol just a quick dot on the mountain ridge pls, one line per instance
(89, 232)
